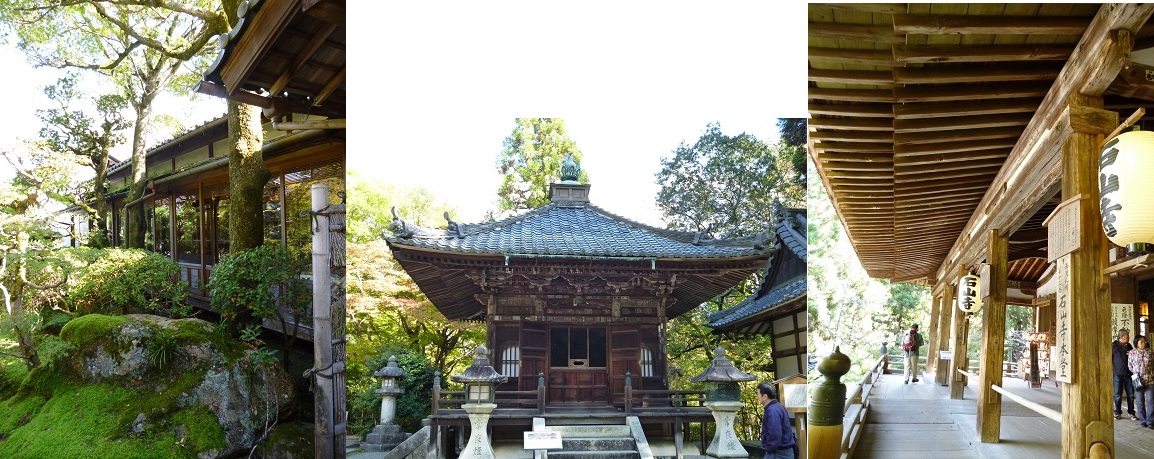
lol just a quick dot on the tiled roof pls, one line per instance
(577, 231)
(790, 232)
(755, 305)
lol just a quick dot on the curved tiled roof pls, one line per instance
(754, 305)
(576, 231)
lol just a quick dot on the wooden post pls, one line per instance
(942, 371)
(1087, 401)
(989, 416)
(322, 326)
(827, 408)
(961, 336)
(932, 348)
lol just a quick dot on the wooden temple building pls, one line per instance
(576, 301)
(959, 139)
(778, 306)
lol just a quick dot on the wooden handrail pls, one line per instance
(859, 396)
(967, 373)
(1033, 406)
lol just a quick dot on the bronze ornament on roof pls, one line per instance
(570, 170)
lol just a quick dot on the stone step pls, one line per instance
(598, 444)
(592, 431)
(594, 455)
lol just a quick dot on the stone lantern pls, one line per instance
(387, 435)
(724, 399)
(479, 380)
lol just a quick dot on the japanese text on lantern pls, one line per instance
(1108, 186)
(1063, 342)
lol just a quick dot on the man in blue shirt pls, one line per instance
(776, 434)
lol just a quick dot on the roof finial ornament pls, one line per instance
(453, 228)
(570, 170)
(399, 227)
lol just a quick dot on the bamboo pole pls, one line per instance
(322, 326)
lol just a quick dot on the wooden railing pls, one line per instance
(524, 399)
(857, 404)
(640, 400)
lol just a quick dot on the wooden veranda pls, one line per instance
(946, 134)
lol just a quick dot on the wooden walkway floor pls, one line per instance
(918, 421)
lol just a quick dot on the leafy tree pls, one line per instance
(531, 160)
(794, 133)
(725, 186)
(141, 46)
(72, 130)
(42, 178)
(370, 208)
(261, 283)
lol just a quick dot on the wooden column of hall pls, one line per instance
(942, 371)
(1087, 401)
(932, 342)
(993, 340)
(961, 331)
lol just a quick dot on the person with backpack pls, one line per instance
(911, 343)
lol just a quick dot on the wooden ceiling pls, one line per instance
(914, 108)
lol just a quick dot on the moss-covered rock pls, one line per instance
(294, 440)
(168, 388)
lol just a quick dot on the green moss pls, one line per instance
(96, 422)
(12, 373)
(86, 329)
(201, 427)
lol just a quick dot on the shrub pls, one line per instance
(264, 282)
(128, 280)
(364, 404)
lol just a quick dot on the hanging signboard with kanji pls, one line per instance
(1064, 233)
(1122, 316)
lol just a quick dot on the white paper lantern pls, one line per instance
(1126, 190)
(969, 298)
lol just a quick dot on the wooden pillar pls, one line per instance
(961, 336)
(945, 324)
(993, 340)
(932, 348)
(1087, 401)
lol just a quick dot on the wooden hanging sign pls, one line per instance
(1065, 228)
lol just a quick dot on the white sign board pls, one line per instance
(1063, 336)
(1064, 229)
(1122, 316)
(543, 440)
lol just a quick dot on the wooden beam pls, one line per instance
(863, 32)
(263, 28)
(872, 77)
(967, 108)
(913, 138)
(852, 56)
(851, 136)
(949, 168)
(302, 58)
(989, 416)
(857, 110)
(966, 92)
(979, 147)
(334, 83)
(1039, 71)
(855, 147)
(869, 124)
(961, 122)
(881, 8)
(852, 95)
(948, 24)
(923, 157)
(932, 54)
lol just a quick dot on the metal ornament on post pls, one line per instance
(724, 399)
(387, 435)
(479, 380)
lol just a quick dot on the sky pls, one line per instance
(632, 81)
(438, 85)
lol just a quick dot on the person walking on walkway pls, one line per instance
(1120, 349)
(911, 343)
(776, 433)
(1142, 365)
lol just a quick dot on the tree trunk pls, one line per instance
(134, 216)
(99, 238)
(247, 177)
